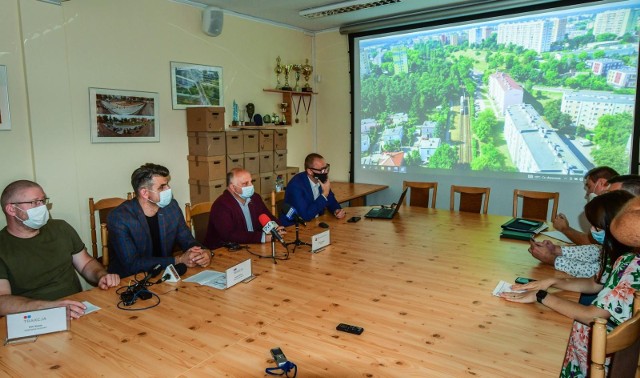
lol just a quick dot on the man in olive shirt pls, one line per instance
(39, 257)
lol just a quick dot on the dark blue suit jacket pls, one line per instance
(300, 196)
(130, 244)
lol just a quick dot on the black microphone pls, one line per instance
(291, 214)
(154, 271)
(270, 227)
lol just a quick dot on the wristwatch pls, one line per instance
(541, 295)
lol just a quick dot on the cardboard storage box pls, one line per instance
(207, 168)
(280, 160)
(280, 139)
(291, 171)
(208, 118)
(235, 161)
(206, 144)
(266, 140)
(255, 180)
(205, 191)
(267, 183)
(235, 142)
(266, 161)
(251, 140)
(252, 162)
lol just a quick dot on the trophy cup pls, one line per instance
(297, 68)
(283, 109)
(307, 70)
(278, 71)
(287, 69)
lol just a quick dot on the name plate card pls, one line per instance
(319, 241)
(38, 322)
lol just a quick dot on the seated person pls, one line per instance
(39, 257)
(234, 215)
(595, 183)
(144, 230)
(581, 260)
(309, 192)
(614, 298)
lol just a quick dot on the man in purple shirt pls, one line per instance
(234, 215)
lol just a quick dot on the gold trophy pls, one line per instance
(278, 71)
(297, 68)
(283, 110)
(287, 69)
(307, 70)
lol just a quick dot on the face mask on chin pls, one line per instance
(165, 198)
(37, 217)
(321, 176)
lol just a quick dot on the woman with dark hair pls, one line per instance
(619, 278)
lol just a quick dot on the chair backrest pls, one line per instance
(535, 205)
(276, 200)
(104, 235)
(103, 207)
(197, 218)
(472, 199)
(419, 193)
(624, 341)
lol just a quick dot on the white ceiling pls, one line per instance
(285, 12)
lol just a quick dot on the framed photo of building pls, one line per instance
(120, 116)
(195, 85)
(5, 116)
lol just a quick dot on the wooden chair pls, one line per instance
(104, 236)
(419, 193)
(623, 342)
(103, 207)
(535, 205)
(472, 199)
(277, 198)
(197, 218)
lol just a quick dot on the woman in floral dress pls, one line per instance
(615, 297)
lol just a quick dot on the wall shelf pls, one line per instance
(294, 99)
(263, 127)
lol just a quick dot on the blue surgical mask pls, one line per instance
(165, 198)
(598, 236)
(38, 217)
(247, 192)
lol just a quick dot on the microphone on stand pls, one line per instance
(270, 227)
(291, 214)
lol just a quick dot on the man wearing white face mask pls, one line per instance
(39, 257)
(144, 230)
(234, 215)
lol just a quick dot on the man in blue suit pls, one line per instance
(309, 192)
(144, 230)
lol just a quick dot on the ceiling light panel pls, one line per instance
(344, 7)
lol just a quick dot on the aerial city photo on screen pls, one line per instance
(549, 95)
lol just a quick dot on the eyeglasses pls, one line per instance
(325, 169)
(34, 203)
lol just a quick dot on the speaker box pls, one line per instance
(212, 21)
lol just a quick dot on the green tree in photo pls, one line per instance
(445, 157)
(490, 159)
(486, 126)
(412, 159)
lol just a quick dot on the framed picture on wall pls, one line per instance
(195, 85)
(119, 116)
(5, 116)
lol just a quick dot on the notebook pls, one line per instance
(387, 212)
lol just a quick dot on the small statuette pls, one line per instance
(278, 71)
(236, 119)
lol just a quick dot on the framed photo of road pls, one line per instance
(195, 85)
(119, 116)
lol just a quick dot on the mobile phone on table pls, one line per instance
(353, 219)
(523, 280)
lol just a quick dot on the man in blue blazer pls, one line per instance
(144, 230)
(309, 192)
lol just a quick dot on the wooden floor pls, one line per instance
(420, 285)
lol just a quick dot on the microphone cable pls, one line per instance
(285, 368)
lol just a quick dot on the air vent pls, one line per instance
(344, 7)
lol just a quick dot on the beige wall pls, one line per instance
(123, 44)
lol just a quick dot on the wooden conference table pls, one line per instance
(354, 192)
(420, 285)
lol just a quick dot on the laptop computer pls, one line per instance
(387, 212)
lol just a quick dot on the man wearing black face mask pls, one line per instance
(309, 192)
